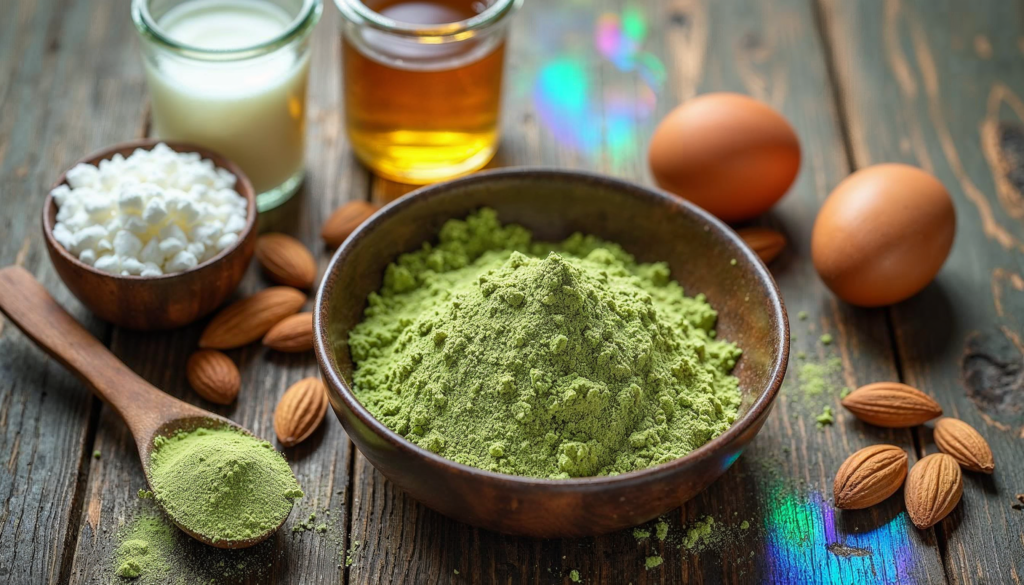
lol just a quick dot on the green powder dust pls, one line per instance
(542, 360)
(661, 529)
(221, 483)
(744, 525)
(826, 339)
(826, 418)
(574, 576)
(350, 556)
(145, 548)
(651, 562)
(96, 454)
(816, 379)
(305, 526)
(699, 533)
(641, 534)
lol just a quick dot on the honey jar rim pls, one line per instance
(358, 13)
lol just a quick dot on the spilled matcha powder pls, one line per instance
(662, 529)
(543, 360)
(826, 418)
(222, 484)
(699, 533)
(145, 548)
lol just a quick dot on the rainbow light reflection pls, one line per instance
(602, 117)
(800, 529)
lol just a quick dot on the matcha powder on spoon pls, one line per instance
(542, 360)
(221, 483)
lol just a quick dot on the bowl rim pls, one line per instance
(762, 404)
(242, 186)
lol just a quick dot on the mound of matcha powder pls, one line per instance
(542, 360)
(222, 484)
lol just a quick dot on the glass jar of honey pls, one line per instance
(422, 84)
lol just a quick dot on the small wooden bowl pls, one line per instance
(156, 302)
(652, 225)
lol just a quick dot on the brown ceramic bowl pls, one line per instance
(650, 224)
(156, 302)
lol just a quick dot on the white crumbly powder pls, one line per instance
(155, 212)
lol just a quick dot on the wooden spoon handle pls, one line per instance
(24, 300)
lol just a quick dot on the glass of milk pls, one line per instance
(230, 75)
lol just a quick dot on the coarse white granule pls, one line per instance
(156, 212)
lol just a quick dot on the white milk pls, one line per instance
(250, 110)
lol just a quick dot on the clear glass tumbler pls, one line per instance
(231, 76)
(422, 84)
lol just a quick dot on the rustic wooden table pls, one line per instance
(931, 83)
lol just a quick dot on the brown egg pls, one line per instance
(728, 153)
(883, 234)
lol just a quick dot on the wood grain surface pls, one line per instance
(54, 108)
(938, 84)
(934, 85)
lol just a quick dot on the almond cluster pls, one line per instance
(934, 485)
(274, 316)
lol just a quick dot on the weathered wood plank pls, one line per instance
(53, 110)
(321, 464)
(782, 487)
(939, 85)
(774, 53)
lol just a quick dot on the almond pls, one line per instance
(300, 411)
(213, 376)
(934, 487)
(345, 220)
(293, 334)
(869, 476)
(766, 243)
(285, 260)
(247, 320)
(960, 441)
(892, 405)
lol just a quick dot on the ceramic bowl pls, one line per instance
(156, 302)
(650, 224)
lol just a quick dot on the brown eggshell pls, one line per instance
(728, 153)
(883, 234)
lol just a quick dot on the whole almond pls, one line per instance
(766, 243)
(934, 487)
(300, 411)
(293, 334)
(213, 376)
(285, 260)
(892, 405)
(869, 476)
(249, 319)
(345, 220)
(960, 441)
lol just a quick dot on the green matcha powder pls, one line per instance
(222, 484)
(542, 360)
(145, 549)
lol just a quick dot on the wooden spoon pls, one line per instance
(146, 410)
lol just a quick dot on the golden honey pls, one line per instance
(420, 109)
